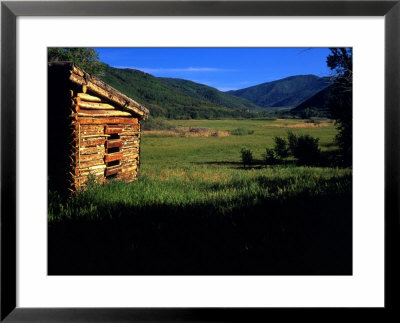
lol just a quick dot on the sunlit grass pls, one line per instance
(179, 172)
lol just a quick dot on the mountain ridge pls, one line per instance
(177, 98)
(317, 105)
(165, 99)
(206, 92)
(286, 92)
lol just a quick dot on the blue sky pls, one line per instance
(222, 68)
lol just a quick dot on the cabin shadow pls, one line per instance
(303, 236)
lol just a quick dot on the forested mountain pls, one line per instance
(287, 92)
(183, 99)
(175, 99)
(207, 93)
(317, 105)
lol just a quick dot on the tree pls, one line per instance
(270, 157)
(247, 157)
(304, 148)
(281, 147)
(340, 61)
(309, 112)
(86, 58)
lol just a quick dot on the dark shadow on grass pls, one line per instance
(329, 144)
(219, 163)
(257, 164)
(300, 236)
(329, 158)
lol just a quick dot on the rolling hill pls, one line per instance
(287, 92)
(183, 99)
(207, 93)
(174, 98)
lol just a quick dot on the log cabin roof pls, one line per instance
(95, 85)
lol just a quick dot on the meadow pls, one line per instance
(195, 209)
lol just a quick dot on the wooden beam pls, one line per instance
(106, 121)
(91, 157)
(128, 151)
(97, 106)
(114, 143)
(87, 97)
(128, 169)
(90, 170)
(129, 138)
(130, 158)
(130, 133)
(103, 90)
(129, 144)
(77, 71)
(112, 171)
(113, 157)
(102, 113)
(91, 128)
(92, 142)
(90, 163)
(112, 129)
(131, 127)
(92, 150)
(77, 79)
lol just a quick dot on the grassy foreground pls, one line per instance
(196, 210)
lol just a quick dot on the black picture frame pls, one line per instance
(10, 10)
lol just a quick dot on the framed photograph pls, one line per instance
(198, 160)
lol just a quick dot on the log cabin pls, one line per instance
(93, 130)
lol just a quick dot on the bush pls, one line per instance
(270, 157)
(304, 148)
(241, 132)
(315, 121)
(247, 157)
(281, 147)
(308, 113)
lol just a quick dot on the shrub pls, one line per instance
(315, 121)
(304, 148)
(270, 157)
(292, 141)
(309, 112)
(281, 147)
(241, 132)
(247, 157)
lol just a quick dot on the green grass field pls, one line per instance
(183, 171)
(213, 153)
(194, 200)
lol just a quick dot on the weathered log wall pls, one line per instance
(90, 133)
(106, 141)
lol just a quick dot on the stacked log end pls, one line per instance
(106, 141)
